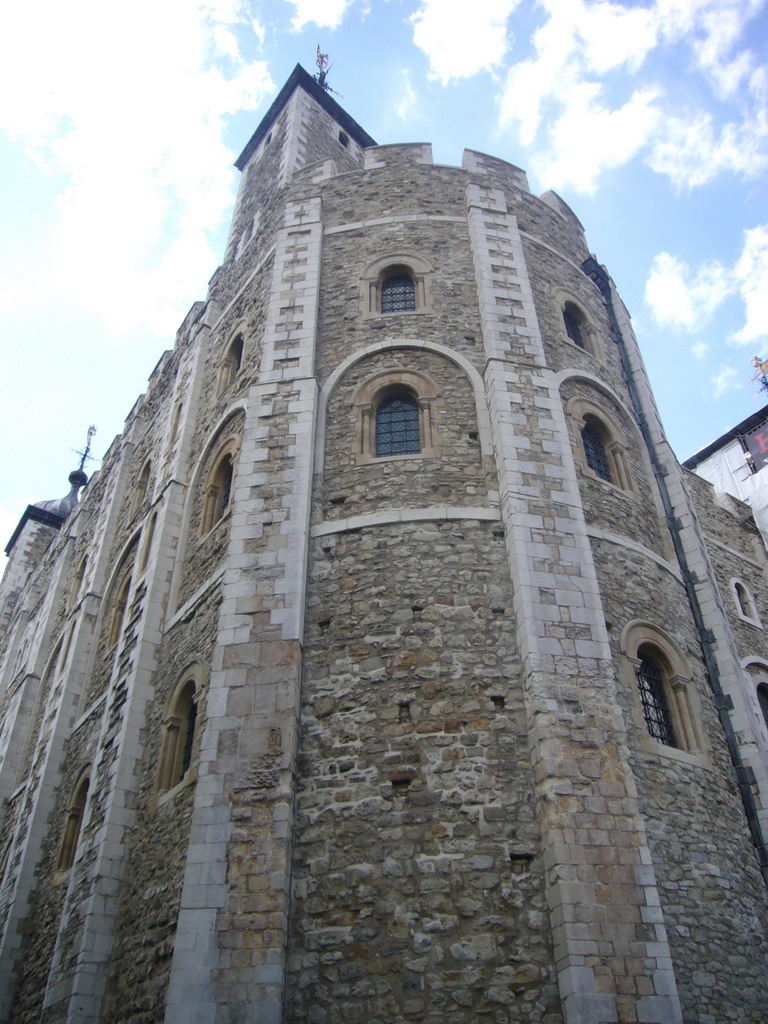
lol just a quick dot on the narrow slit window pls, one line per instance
(397, 426)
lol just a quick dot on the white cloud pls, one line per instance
(324, 13)
(726, 380)
(405, 104)
(691, 151)
(751, 273)
(589, 137)
(699, 349)
(687, 299)
(682, 298)
(134, 122)
(567, 99)
(461, 39)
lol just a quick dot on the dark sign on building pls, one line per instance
(757, 443)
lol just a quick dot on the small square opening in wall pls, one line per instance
(400, 781)
(520, 863)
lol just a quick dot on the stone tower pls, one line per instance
(391, 669)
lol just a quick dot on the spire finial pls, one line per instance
(323, 67)
(85, 454)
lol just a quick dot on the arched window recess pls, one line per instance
(73, 822)
(396, 416)
(142, 487)
(231, 362)
(575, 325)
(180, 731)
(396, 283)
(217, 488)
(603, 450)
(745, 603)
(663, 694)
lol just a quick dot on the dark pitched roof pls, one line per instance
(300, 78)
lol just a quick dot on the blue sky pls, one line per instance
(119, 125)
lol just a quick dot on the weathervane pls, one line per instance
(761, 372)
(85, 454)
(323, 67)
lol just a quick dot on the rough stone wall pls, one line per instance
(41, 929)
(203, 554)
(737, 552)
(257, 215)
(245, 315)
(632, 513)
(455, 476)
(551, 276)
(418, 881)
(155, 853)
(707, 874)
(107, 651)
(452, 320)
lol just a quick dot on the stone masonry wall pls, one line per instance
(634, 513)
(455, 476)
(149, 900)
(41, 927)
(203, 554)
(418, 882)
(707, 874)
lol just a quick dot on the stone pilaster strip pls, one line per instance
(610, 945)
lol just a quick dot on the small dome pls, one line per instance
(63, 506)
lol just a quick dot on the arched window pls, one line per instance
(175, 420)
(73, 823)
(745, 604)
(573, 319)
(593, 439)
(230, 366)
(398, 283)
(397, 414)
(179, 732)
(142, 486)
(762, 699)
(601, 444)
(397, 425)
(577, 329)
(665, 704)
(146, 546)
(118, 611)
(653, 697)
(398, 293)
(218, 493)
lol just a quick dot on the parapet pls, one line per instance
(554, 202)
(397, 154)
(505, 174)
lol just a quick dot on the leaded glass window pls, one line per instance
(398, 294)
(397, 426)
(653, 697)
(594, 450)
(573, 327)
